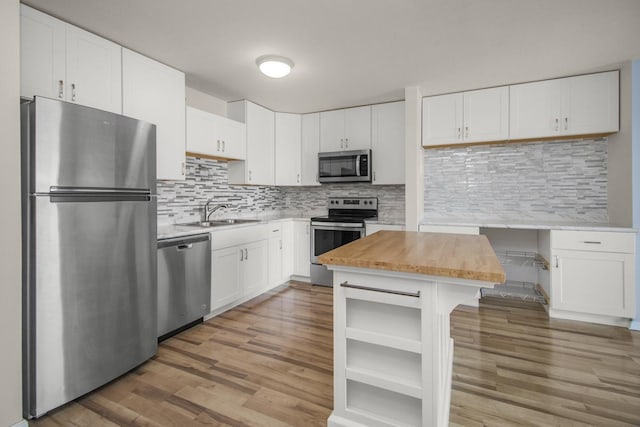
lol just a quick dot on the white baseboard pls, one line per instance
(591, 318)
(22, 423)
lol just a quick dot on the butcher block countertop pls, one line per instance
(436, 254)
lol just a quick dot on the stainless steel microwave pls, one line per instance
(345, 166)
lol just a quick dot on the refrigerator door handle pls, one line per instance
(85, 190)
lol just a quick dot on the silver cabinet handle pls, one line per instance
(73, 91)
(556, 259)
(218, 149)
(280, 244)
(557, 124)
(466, 131)
(459, 133)
(298, 178)
(592, 242)
(275, 230)
(223, 144)
(346, 142)
(246, 253)
(60, 89)
(374, 175)
(386, 291)
(184, 169)
(241, 255)
(249, 175)
(566, 123)
(341, 143)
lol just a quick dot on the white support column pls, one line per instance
(414, 163)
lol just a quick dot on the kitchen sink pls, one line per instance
(219, 222)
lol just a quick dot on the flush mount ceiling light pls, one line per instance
(274, 66)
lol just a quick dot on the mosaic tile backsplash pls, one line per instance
(183, 201)
(560, 178)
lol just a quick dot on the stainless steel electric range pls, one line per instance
(344, 223)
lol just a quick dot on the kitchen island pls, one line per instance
(393, 293)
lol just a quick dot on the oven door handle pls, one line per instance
(336, 227)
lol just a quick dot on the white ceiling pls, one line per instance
(354, 52)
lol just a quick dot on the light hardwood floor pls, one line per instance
(269, 363)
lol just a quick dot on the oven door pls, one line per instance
(327, 236)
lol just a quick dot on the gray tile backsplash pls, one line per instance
(560, 178)
(182, 201)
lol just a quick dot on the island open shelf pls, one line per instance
(393, 293)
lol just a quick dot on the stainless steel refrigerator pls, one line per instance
(89, 249)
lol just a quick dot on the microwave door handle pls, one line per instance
(358, 165)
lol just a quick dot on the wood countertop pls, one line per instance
(437, 254)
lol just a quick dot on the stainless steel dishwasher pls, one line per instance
(184, 282)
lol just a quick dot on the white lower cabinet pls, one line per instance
(225, 277)
(592, 273)
(302, 248)
(276, 256)
(254, 268)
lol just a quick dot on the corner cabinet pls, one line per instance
(466, 117)
(61, 61)
(592, 274)
(259, 166)
(345, 129)
(580, 105)
(288, 149)
(210, 135)
(310, 148)
(387, 143)
(154, 92)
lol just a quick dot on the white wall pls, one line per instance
(635, 184)
(414, 165)
(206, 102)
(10, 252)
(619, 158)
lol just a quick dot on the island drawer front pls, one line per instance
(596, 241)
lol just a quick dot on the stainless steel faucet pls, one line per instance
(209, 210)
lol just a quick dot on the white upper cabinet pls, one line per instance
(61, 61)
(288, 149)
(580, 105)
(387, 143)
(467, 117)
(486, 115)
(310, 148)
(154, 92)
(442, 119)
(214, 136)
(259, 166)
(346, 129)
(43, 54)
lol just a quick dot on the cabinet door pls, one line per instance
(442, 120)
(593, 282)
(275, 261)
(201, 138)
(590, 104)
(332, 132)
(387, 143)
(310, 148)
(302, 247)
(255, 267)
(42, 54)
(486, 115)
(260, 145)
(358, 128)
(94, 71)
(534, 110)
(288, 149)
(225, 276)
(234, 143)
(156, 93)
(288, 250)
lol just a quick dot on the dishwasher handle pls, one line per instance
(184, 247)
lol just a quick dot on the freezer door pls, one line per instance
(73, 146)
(91, 295)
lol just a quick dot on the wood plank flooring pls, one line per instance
(269, 363)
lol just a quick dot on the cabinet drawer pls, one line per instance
(238, 236)
(599, 241)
